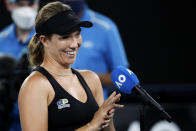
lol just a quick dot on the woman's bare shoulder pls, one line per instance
(35, 82)
(35, 78)
(92, 80)
(89, 75)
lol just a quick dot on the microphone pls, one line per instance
(127, 82)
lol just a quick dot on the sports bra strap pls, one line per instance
(51, 79)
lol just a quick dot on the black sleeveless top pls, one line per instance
(66, 113)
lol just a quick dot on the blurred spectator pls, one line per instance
(15, 38)
(102, 49)
(6, 100)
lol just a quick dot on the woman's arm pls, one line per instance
(33, 105)
(103, 118)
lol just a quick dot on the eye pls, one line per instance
(64, 37)
(78, 33)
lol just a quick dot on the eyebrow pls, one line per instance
(68, 33)
(65, 35)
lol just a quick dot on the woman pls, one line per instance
(56, 97)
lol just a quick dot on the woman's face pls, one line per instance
(63, 48)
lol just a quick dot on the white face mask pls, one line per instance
(24, 17)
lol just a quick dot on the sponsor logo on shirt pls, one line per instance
(63, 103)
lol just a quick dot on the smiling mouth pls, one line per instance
(70, 52)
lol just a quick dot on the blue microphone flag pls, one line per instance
(124, 79)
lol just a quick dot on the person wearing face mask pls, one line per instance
(102, 49)
(14, 38)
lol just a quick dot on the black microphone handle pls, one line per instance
(150, 101)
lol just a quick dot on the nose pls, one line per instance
(75, 42)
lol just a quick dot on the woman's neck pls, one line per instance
(56, 68)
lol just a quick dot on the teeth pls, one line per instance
(70, 52)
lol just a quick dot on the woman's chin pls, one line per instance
(69, 62)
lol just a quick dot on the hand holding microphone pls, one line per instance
(126, 81)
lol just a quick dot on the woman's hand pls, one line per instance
(103, 116)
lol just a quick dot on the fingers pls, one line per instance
(118, 106)
(106, 122)
(108, 118)
(105, 125)
(113, 98)
(116, 98)
(106, 111)
(111, 111)
(109, 115)
(110, 103)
